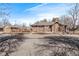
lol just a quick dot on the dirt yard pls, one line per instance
(48, 45)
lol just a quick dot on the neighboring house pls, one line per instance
(11, 29)
(43, 26)
(24, 29)
(14, 29)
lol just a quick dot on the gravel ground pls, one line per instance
(27, 48)
(40, 45)
(48, 45)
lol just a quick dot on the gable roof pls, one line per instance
(15, 26)
(46, 23)
(42, 24)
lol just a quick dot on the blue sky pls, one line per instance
(31, 12)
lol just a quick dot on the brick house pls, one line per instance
(14, 29)
(11, 29)
(43, 26)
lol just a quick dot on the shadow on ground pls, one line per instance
(59, 46)
(72, 41)
(9, 44)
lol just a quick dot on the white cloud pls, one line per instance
(36, 7)
(47, 8)
(42, 11)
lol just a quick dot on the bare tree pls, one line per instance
(23, 24)
(74, 13)
(44, 20)
(66, 20)
(4, 14)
